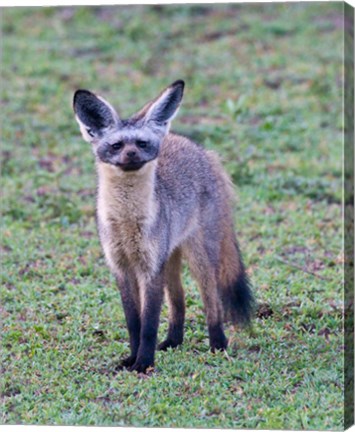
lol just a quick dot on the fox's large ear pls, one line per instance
(93, 114)
(164, 108)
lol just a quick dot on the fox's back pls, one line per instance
(193, 189)
(189, 175)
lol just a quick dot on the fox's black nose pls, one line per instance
(131, 153)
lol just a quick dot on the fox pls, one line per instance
(162, 200)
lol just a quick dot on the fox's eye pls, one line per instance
(141, 143)
(117, 145)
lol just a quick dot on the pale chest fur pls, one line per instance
(126, 211)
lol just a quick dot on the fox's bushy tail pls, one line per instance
(233, 283)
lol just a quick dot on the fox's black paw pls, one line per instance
(218, 340)
(219, 345)
(126, 363)
(141, 366)
(168, 343)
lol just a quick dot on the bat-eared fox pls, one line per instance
(162, 198)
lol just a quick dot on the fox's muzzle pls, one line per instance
(130, 166)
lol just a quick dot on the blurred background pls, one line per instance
(263, 89)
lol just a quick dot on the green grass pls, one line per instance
(264, 89)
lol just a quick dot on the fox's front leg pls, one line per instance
(151, 301)
(131, 305)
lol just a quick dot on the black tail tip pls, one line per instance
(238, 301)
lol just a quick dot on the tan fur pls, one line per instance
(173, 286)
(205, 276)
(127, 207)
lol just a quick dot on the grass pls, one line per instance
(264, 89)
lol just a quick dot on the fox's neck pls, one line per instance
(127, 196)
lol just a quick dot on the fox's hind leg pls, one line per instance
(203, 262)
(176, 302)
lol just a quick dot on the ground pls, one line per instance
(263, 89)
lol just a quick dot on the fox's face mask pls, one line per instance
(128, 144)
